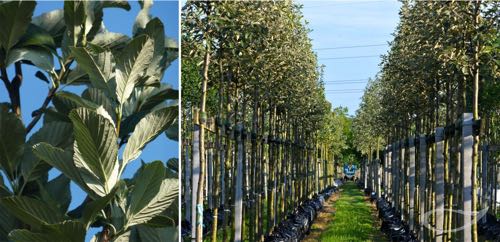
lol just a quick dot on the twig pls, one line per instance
(39, 112)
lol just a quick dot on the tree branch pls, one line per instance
(5, 79)
(15, 86)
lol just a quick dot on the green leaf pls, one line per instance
(155, 30)
(94, 16)
(97, 63)
(70, 231)
(118, 218)
(52, 115)
(74, 18)
(173, 131)
(171, 43)
(160, 221)
(131, 65)
(55, 133)
(59, 190)
(52, 22)
(12, 134)
(143, 17)
(142, 101)
(129, 236)
(148, 234)
(149, 100)
(103, 112)
(16, 17)
(66, 101)
(172, 52)
(38, 37)
(96, 148)
(63, 161)
(116, 4)
(7, 223)
(93, 208)
(151, 195)
(24, 235)
(148, 178)
(31, 211)
(42, 77)
(110, 40)
(76, 76)
(99, 97)
(148, 129)
(173, 164)
(40, 57)
(4, 191)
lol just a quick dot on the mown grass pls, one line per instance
(353, 220)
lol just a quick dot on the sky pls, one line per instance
(343, 24)
(33, 90)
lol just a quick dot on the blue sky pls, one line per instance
(350, 23)
(33, 91)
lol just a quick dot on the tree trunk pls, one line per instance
(475, 111)
(201, 182)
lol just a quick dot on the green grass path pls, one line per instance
(354, 219)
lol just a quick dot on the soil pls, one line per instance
(323, 220)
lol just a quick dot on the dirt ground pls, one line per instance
(323, 219)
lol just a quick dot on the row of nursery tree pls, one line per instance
(75, 137)
(258, 134)
(440, 76)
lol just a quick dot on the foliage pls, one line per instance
(337, 132)
(124, 106)
(427, 76)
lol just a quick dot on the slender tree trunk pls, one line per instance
(238, 194)
(270, 172)
(219, 157)
(475, 113)
(201, 182)
(261, 169)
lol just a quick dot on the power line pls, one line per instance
(347, 80)
(349, 47)
(348, 92)
(343, 83)
(345, 90)
(350, 57)
(342, 3)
